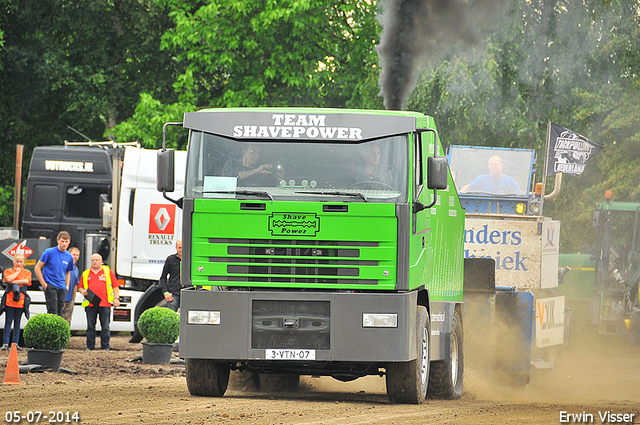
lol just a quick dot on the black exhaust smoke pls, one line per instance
(415, 30)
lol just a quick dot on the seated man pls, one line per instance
(371, 174)
(248, 170)
(495, 182)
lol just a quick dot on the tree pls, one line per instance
(608, 106)
(575, 63)
(77, 64)
(146, 123)
(294, 53)
(309, 52)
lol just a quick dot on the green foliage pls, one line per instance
(159, 325)
(262, 53)
(607, 108)
(576, 64)
(145, 125)
(461, 95)
(6, 206)
(47, 332)
(73, 63)
(268, 53)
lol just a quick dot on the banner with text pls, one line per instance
(569, 152)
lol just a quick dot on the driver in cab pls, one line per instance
(249, 170)
(495, 182)
(370, 174)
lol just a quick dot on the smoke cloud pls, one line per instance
(416, 30)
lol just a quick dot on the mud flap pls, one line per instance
(514, 334)
(479, 312)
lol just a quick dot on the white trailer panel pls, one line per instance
(525, 248)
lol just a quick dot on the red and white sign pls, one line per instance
(17, 248)
(162, 218)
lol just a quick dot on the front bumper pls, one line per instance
(329, 322)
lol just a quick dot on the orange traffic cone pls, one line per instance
(12, 373)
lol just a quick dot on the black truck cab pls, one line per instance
(66, 189)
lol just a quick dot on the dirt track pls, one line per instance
(597, 374)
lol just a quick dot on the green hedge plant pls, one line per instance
(47, 332)
(159, 325)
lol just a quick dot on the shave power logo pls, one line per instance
(299, 224)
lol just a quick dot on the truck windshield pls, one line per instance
(83, 201)
(220, 167)
(491, 171)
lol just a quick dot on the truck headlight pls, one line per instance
(534, 206)
(198, 317)
(379, 320)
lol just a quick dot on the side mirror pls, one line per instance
(106, 211)
(103, 200)
(166, 180)
(437, 172)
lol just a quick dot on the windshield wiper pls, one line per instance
(353, 194)
(242, 192)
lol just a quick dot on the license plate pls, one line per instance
(290, 354)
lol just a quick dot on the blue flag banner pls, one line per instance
(569, 152)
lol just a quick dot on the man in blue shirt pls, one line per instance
(69, 301)
(495, 182)
(53, 271)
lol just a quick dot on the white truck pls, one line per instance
(119, 214)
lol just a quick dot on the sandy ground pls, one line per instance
(596, 375)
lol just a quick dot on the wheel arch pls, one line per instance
(441, 317)
(424, 299)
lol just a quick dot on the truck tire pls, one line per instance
(206, 377)
(407, 382)
(445, 377)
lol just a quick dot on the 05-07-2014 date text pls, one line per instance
(35, 417)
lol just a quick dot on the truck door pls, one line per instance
(421, 220)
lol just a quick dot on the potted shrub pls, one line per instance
(160, 327)
(46, 335)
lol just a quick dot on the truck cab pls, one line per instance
(330, 242)
(66, 189)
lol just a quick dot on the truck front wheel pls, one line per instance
(445, 378)
(207, 377)
(407, 382)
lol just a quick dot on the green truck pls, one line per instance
(324, 242)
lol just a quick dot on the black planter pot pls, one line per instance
(154, 353)
(50, 358)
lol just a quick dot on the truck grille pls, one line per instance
(293, 261)
(290, 324)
